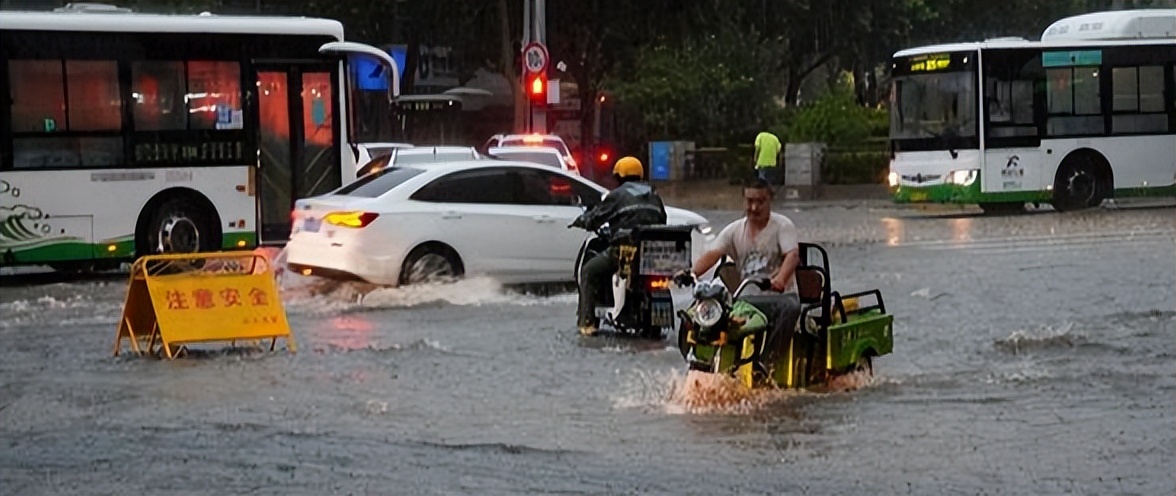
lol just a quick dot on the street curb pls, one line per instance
(720, 195)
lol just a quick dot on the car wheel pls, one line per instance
(430, 264)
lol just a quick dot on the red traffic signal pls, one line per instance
(537, 89)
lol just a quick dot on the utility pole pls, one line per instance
(534, 31)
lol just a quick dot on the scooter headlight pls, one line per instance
(707, 313)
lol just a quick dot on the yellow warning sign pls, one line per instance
(177, 300)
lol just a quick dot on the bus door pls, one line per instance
(298, 145)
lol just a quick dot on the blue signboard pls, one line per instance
(659, 160)
(368, 73)
(399, 54)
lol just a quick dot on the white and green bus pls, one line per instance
(127, 134)
(1086, 114)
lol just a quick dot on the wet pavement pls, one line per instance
(1034, 354)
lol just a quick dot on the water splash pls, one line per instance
(78, 309)
(679, 392)
(316, 295)
(1044, 337)
(849, 382)
(692, 392)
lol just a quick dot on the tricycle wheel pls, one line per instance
(682, 345)
(865, 365)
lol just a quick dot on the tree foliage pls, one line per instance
(714, 86)
(835, 118)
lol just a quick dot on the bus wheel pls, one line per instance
(1079, 184)
(180, 226)
(1002, 208)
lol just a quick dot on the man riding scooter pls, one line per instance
(632, 204)
(764, 245)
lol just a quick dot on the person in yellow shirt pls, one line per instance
(767, 151)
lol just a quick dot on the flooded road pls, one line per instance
(1034, 354)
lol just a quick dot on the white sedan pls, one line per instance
(404, 225)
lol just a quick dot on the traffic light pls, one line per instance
(537, 89)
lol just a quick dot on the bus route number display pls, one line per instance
(930, 63)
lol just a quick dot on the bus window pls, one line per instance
(159, 88)
(1075, 104)
(38, 96)
(1010, 103)
(94, 101)
(1151, 89)
(318, 115)
(214, 95)
(1138, 100)
(49, 121)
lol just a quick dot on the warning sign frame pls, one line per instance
(176, 300)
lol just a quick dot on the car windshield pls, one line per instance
(429, 158)
(379, 182)
(541, 158)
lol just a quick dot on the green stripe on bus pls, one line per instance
(231, 241)
(54, 252)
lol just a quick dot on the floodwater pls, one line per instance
(1034, 354)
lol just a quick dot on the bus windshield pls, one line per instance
(429, 119)
(934, 104)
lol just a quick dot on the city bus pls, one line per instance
(128, 133)
(430, 119)
(1085, 114)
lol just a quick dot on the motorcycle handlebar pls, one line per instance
(763, 283)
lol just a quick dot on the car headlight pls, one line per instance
(706, 313)
(706, 230)
(892, 178)
(963, 177)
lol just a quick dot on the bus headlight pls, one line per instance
(963, 177)
(892, 178)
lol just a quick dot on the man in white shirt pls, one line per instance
(763, 244)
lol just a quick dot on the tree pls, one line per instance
(593, 38)
(715, 86)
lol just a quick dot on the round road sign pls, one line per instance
(535, 57)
